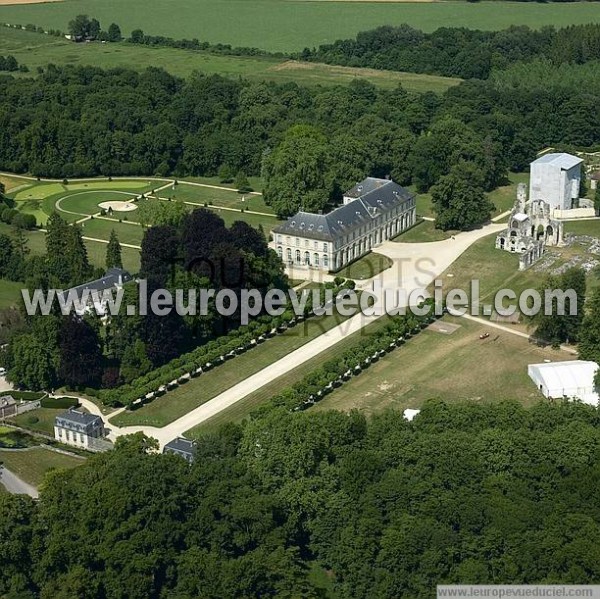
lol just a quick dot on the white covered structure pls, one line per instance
(409, 414)
(573, 380)
(555, 179)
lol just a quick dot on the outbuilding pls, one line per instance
(571, 380)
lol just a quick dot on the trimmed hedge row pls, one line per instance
(23, 395)
(57, 403)
(334, 373)
(214, 353)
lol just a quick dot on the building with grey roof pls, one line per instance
(181, 447)
(555, 179)
(79, 429)
(92, 291)
(372, 212)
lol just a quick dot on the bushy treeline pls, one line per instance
(471, 494)
(543, 74)
(459, 52)
(139, 37)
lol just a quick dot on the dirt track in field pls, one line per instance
(9, 2)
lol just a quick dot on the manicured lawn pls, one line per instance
(255, 220)
(198, 391)
(11, 182)
(504, 196)
(291, 26)
(454, 367)
(39, 421)
(255, 182)
(38, 50)
(424, 205)
(10, 293)
(365, 268)
(583, 227)
(72, 201)
(216, 197)
(86, 202)
(31, 465)
(100, 228)
(423, 232)
(36, 241)
(39, 191)
(243, 408)
(97, 256)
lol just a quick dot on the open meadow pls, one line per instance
(280, 25)
(37, 50)
(33, 464)
(441, 365)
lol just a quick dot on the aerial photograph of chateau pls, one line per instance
(299, 299)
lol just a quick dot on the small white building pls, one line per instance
(572, 380)
(79, 429)
(556, 179)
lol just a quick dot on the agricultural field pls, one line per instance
(278, 25)
(442, 365)
(31, 465)
(37, 50)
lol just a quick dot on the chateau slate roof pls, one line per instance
(377, 196)
(112, 278)
(75, 420)
(180, 444)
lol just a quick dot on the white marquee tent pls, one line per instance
(566, 379)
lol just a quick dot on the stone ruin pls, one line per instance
(530, 229)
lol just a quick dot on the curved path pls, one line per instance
(415, 266)
(13, 484)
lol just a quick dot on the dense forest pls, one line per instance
(460, 52)
(386, 508)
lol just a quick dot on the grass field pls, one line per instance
(73, 200)
(37, 50)
(503, 197)
(242, 409)
(583, 227)
(198, 391)
(424, 232)
(217, 197)
(281, 25)
(442, 365)
(38, 421)
(31, 465)
(10, 293)
(365, 268)
(96, 250)
(79, 199)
